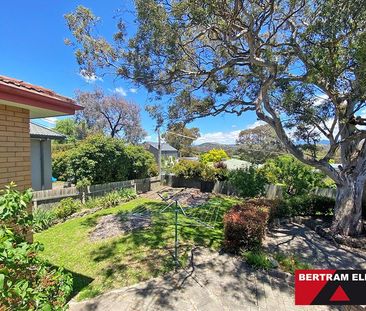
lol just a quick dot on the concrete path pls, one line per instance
(308, 245)
(215, 282)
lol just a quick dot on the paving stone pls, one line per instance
(219, 282)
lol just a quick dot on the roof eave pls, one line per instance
(43, 101)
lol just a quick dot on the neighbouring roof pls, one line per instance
(40, 101)
(38, 131)
(234, 164)
(164, 146)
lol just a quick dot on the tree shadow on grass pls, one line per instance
(80, 281)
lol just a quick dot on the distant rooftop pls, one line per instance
(164, 146)
(38, 131)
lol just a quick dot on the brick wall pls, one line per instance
(15, 154)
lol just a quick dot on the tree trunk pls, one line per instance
(348, 208)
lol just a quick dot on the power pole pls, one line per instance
(159, 152)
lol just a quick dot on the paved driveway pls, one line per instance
(216, 282)
(320, 253)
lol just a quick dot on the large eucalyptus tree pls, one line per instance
(299, 65)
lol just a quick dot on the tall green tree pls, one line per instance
(72, 129)
(181, 138)
(258, 144)
(298, 65)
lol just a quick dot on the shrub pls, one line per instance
(26, 281)
(247, 182)
(67, 207)
(244, 226)
(93, 203)
(42, 219)
(194, 169)
(99, 159)
(142, 163)
(188, 169)
(213, 156)
(309, 205)
(111, 199)
(302, 205)
(128, 194)
(296, 177)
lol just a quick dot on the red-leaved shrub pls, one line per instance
(245, 226)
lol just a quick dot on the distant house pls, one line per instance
(41, 162)
(167, 151)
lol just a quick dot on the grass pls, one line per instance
(290, 263)
(260, 259)
(134, 257)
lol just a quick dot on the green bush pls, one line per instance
(112, 199)
(247, 182)
(99, 159)
(188, 169)
(67, 207)
(194, 169)
(309, 205)
(128, 194)
(26, 281)
(302, 205)
(213, 156)
(296, 177)
(42, 219)
(245, 225)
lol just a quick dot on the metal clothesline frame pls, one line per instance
(177, 208)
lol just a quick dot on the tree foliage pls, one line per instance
(296, 177)
(26, 281)
(258, 144)
(110, 114)
(248, 182)
(181, 138)
(100, 159)
(299, 65)
(213, 156)
(71, 129)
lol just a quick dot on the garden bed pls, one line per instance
(114, 225)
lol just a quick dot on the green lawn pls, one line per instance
(134, 257)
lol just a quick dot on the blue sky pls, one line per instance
(32, 49)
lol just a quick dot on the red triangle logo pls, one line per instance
(339, 295)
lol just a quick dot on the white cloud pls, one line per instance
(120, 90)
(225, 137)
(50, 120)
(133, 90)
(218, 137)
(89, 78)
(255, 124)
